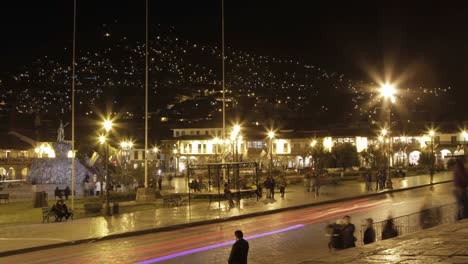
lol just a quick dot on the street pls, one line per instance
(287, 237)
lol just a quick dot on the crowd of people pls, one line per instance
(61, 210)
(342, 233)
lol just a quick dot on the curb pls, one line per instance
(206, 222)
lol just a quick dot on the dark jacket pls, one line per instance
(369, 235)
(348, 236)
(239, 252)
(389, 231)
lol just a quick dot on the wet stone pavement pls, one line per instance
(15, 237)
(442, 244)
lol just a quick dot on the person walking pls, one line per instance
(239, 250)
(369, 233)
(316, 185)
(272, 187)
(282, 185)
(67, 192)
(348, 233)
(267, 185)
(369, 182)
(460, 181)
(160, 182)
(228, 194)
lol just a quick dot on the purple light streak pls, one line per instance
(223, 244)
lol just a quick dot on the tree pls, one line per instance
(427, 159)
(345, 155)
(374, 157)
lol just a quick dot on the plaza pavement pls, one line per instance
(442, 244)
(23, 238)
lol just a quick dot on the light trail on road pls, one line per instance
(285, 237)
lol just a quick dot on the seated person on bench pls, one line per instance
(61, 210)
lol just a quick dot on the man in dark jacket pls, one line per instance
(239, 250)
(348, 233)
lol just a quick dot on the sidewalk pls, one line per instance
(441, 244)
(26, 237)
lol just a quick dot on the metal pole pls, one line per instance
(389, 179)
(146, 99)
(223, 86)
(271, 157)
(188, 183)
(222, 71)
(108, 212)
(73, 110)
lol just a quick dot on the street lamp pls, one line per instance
(107, 124)
(234, 138)
(432, 160)
(313, 143)
(387, 92)
(271, 136)
(464, 135)
(126, 147)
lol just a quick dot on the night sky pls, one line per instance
(426, 40)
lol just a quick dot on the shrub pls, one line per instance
(122, 196)
(93, 207)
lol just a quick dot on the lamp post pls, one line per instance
(234, 138)
(313, 143)
(271, 136)
(432, 157)
(107, 124)
(126, 147)
(388, 91)
(464, 135)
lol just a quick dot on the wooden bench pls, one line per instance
(174, 200)
(47, 213)
(5, 197)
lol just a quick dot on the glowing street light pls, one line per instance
(271, 134)
(155, 149)
(384, 132)
(431, 133)
(102, 139)
(313, 143)
(107, 125)
(388, 91)
(464, 135)
(234, 138)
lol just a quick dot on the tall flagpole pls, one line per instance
(146, 100)
(73, 109)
